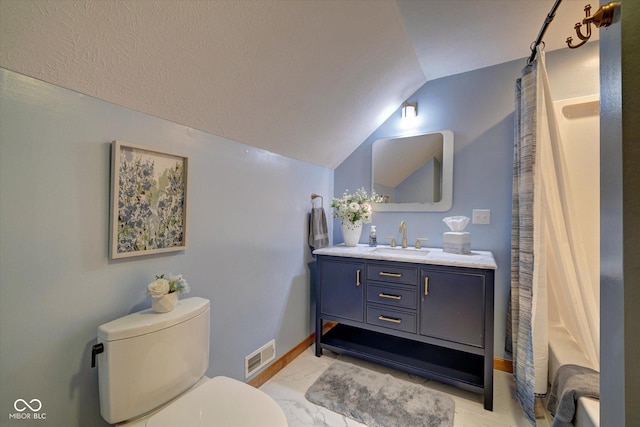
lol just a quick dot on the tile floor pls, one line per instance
(290, 384)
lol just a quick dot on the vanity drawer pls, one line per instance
(392, 296)
(398, 320)
(392, 274)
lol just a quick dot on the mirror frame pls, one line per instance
(446, 201)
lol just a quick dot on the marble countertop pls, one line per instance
(434, 256)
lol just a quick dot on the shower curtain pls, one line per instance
(546, 251)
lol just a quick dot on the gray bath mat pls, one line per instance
(380, 400)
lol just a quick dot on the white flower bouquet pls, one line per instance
(167, 285)
(355, 207)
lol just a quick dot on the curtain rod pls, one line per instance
(602, 18)
(547, 21)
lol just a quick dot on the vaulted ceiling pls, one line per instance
(308, 79)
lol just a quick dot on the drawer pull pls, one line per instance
(426, 285)
(398, 297)
(389, 319)
(382, 273)
(358, 277)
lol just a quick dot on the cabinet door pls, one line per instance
(342, 289)
(452, 306)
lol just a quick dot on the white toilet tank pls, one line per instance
(149, 358)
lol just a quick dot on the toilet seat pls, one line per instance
(221, 401)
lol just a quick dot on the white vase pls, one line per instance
(351, 232)
(164, 303)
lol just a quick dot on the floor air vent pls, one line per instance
(259, 358)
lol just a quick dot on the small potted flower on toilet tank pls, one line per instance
(164, 291)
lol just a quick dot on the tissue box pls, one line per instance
(457, 242)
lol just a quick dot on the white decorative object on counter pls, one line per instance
(351, 232)
(354, 210)
(456, 241)
(456, 223)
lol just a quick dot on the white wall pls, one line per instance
(478, 107)
(247, 244)
(579, 125)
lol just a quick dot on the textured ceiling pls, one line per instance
(308, 79)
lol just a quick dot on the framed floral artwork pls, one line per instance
(148, 201)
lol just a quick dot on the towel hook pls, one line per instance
(315, 196)
(602, 18)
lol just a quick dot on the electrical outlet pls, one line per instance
(481, 216)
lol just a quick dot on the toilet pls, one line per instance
(151, 373)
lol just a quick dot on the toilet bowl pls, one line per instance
(151, 373)
(219, 401)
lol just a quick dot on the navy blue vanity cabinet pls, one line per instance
(391, 296)
(435, 321)
(456, 310)
(452, 306)
(342, 290)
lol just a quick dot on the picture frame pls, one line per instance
(149, 201)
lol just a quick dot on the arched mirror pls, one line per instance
(414, 173)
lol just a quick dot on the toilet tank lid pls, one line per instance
(148, 321)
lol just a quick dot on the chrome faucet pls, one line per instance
(403, 230)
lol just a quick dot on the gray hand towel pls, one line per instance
(318, 232)
(570, 383)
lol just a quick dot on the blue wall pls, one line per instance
(478, 107)
(247, 244)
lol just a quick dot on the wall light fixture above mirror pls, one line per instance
(414, 173)
(409, 110)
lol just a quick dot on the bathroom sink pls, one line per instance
(403, 252)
